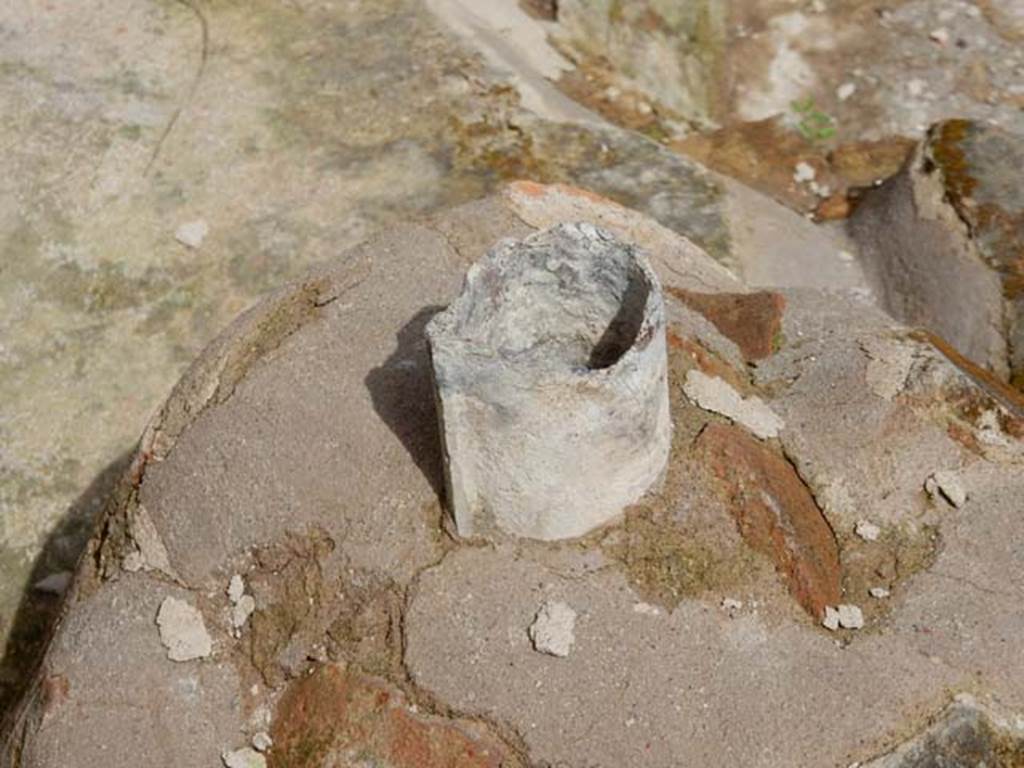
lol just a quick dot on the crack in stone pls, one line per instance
(204, 52)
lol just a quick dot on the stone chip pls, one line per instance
(182, 630)
(946, 483)
(552, 631)
(247, 757)
(715, 395)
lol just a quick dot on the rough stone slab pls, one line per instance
(287, 425)
(119, 136)
(654, 687)
(655, 690)
(966, 734)
(115, 699)
(859, 451)
(311, 431)
(967, 601)
(943, 242)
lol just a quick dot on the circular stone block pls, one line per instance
(551, 379)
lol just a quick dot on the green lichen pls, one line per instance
(948, 154)
(666, 564)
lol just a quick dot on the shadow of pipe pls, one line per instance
(402, 392)
(33, 621)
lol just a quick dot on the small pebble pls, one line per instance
(182, 630)
(236, 588)
(821, 190)
(242, 610)
(804, 172)
(947, 484)
(879, 593)
(552, 629)
(831, 620)
(247, 757)
(940, 36)
(261, 741)
(867, 531)
(845, 91)
(192, 233)
(850, 617)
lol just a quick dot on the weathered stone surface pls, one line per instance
(664, 687)
(944, 241)
(336, 716)
(980, 165)
(776, 514)
(763, 154)
(119, 136)
(260, 123)
(212, 491)
(671, 52)
(862, 448)
(364, 576)
(965, 735)
(110, 696)
(551, 380)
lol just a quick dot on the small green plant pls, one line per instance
(814, 125)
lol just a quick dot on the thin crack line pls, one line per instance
(200, 70)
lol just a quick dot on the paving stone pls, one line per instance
(360, 593)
